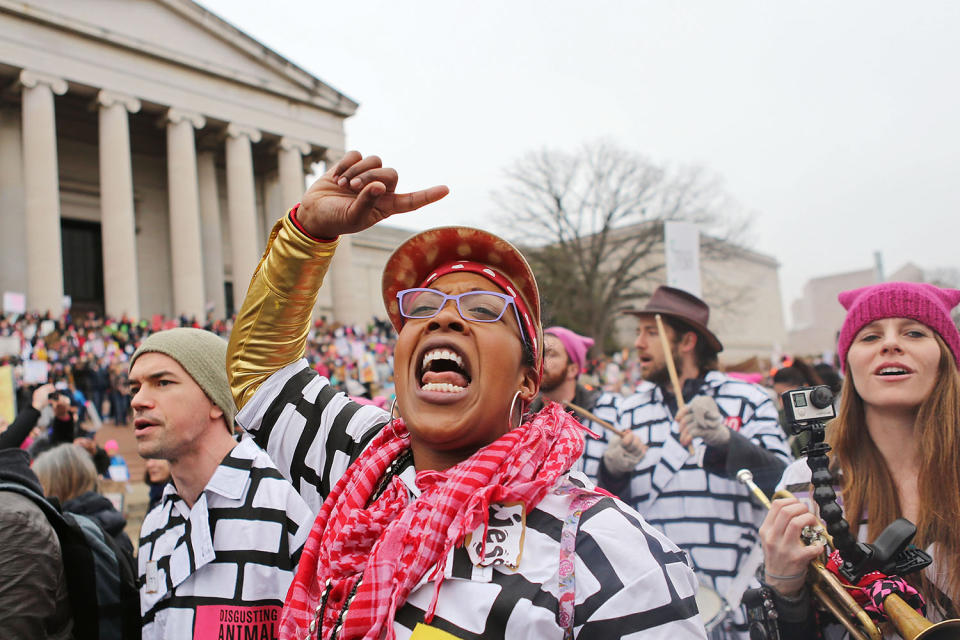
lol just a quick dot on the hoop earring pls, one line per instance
(393, 420)
(510, 418)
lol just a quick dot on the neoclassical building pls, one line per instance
(146, 147)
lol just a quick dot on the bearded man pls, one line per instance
(564, 360)
(678, 467)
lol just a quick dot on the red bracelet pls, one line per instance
(296, 223)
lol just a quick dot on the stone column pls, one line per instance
(290, 155)
(242, 204)
(185, 239)
(211, 233)
(117, 228)
(41, 184)
(340, 278)
(13, 222)
(325, 305)
(343, 284)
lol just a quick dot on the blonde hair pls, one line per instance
(66, 471)
(869, 488)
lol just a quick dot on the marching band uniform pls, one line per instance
(694, 498)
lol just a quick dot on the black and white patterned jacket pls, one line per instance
(222, 567)
(695, 499)
(628, 579)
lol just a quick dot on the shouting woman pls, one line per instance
(455, 515)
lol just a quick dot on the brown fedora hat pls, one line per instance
(681, 305)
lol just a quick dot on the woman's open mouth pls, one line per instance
(443, 370)
(892, 371)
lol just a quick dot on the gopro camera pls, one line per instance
(808, 404)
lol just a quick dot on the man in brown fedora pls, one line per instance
(694, 498)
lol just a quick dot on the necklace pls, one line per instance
(396, 467)
(316, 625)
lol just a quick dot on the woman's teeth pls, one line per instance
(443, 371)
(442, 354)
(888, 371)
(443, 387)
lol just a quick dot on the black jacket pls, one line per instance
(99, 508)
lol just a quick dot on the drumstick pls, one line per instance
(671, 369)
(668, 356)
(587, 414)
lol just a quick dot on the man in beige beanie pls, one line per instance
(220, 548)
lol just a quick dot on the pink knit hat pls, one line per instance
(575, 344)
(919, 301)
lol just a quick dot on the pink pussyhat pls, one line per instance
(918, 301)
(111, 445)
(575, 344)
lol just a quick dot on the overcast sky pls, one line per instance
(837, 123)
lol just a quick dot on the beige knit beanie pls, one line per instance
(203, 355)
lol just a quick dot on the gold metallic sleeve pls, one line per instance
(272, 326)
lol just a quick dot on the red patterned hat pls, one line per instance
(417, 259)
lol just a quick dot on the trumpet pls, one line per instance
(835, 597)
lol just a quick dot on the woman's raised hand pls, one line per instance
(786, 557)
(356, 194)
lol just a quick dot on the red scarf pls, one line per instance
(394, 541)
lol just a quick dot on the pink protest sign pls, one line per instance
(215, 622)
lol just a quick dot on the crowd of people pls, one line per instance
(88, 358)
(460, 471)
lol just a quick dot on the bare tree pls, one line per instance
(591, 223)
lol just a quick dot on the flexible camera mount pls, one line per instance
(890, 553)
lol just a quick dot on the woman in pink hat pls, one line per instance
(896, 446)
(455, 514)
